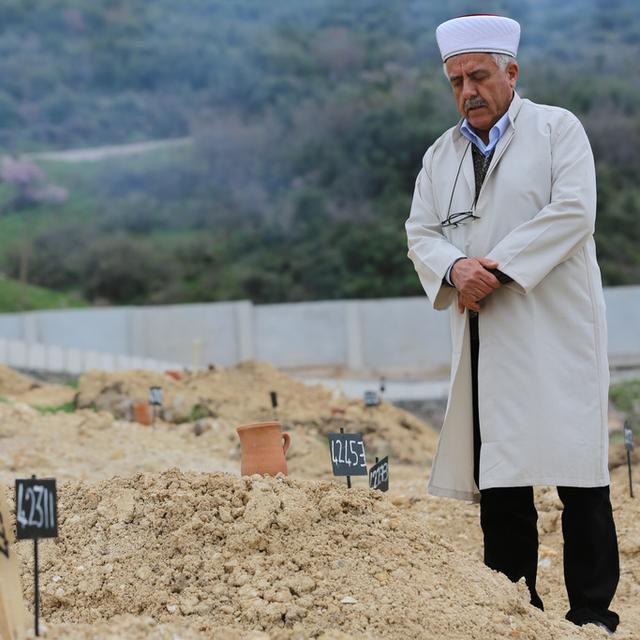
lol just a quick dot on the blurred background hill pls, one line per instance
(305, 123)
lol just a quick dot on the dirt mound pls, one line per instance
(295, 559)
(235, 394)
(12, 382)
(93, 445)
(146, 628)
(241, 395)
(459, 523)
(14, 385)
(89, 445)
(618, 455)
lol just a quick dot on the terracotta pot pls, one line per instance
(143, 413)
(263, 447)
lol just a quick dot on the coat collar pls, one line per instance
(512, 111)
(461, 144)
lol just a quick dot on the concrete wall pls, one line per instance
(390, 336)
(107, 330)
(303, 334)
(46, 357)
(400, 333)
(623, 319)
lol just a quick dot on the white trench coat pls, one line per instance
(543, 374)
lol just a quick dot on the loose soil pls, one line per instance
(160, 538)
(276, 555)
(15, 386)
(241, 395)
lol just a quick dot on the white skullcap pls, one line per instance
(478, 34)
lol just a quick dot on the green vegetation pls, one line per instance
(198, 412)
(308, 120)
(626, 396)
(15, 296)
(67, 407)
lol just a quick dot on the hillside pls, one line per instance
(308, 123)
(17, 297)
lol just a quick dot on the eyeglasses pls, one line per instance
(454, 219)
(460, 217)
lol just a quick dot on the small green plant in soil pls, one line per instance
(199, 411)
(626, 395)
(66, 407)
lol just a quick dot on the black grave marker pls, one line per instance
(379, 475)
(347, 454)
(36, 517)
(36, 509)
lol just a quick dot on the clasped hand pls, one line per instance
(473, 282)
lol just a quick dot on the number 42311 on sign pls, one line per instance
(36, 508)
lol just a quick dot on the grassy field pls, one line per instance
(16, 297)
(95, 191)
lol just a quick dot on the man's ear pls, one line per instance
(512, 73)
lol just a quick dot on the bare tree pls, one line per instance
(30, 188)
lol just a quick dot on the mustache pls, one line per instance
(472, 103)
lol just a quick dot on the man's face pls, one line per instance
(482, 91)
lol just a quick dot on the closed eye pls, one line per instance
(479, 75)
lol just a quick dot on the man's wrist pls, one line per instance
(449, 274)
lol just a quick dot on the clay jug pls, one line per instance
(263, 447)
(143, 413)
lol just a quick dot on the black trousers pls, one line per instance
(508, 518)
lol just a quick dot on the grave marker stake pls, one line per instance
(628, 445)
(36, 585)
(36, 581)
(348, 477)
(274, 403)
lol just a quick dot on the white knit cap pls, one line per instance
(478, 34)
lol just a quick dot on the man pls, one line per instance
(501, 229)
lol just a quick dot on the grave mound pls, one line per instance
(215, 555)
(16, 386)
(240, 395)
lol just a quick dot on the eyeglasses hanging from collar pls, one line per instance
(459, 217)
(455, 219)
